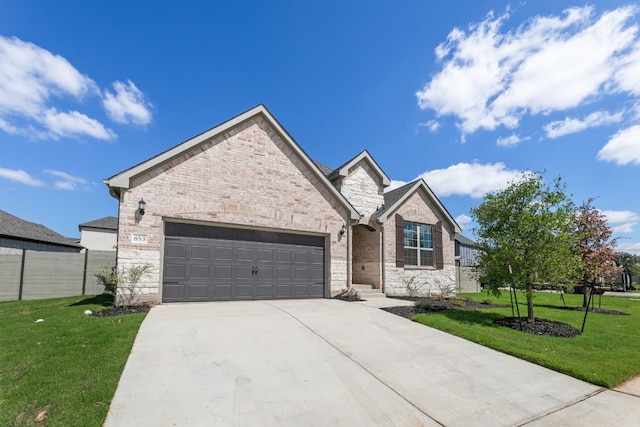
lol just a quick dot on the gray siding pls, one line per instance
(51, 274)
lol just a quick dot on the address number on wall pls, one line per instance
(139, 238)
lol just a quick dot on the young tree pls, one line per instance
(595, 247)
(524, 228)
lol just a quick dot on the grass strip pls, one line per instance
(605, 354)
(64, 370)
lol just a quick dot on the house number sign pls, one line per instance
(139, 238)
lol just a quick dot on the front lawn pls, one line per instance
(62, 371)
(605, 354)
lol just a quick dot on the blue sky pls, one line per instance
(465, 94)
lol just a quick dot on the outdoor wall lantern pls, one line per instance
(141, 206)
(343, 230)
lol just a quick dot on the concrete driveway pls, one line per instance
(333, 363)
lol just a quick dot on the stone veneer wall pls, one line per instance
(248, 176)
(419, 208)
(363, 188)
(366, 257)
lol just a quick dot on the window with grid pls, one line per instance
(418, 244)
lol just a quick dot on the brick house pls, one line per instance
(242, 212)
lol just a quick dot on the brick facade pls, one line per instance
(249, 173)
(247, 176)
(419, 208)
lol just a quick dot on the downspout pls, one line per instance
(349, 257)
(382, 281)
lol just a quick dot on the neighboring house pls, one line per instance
(467, 253)
(100, 234)
(241, 212)
(17, 234)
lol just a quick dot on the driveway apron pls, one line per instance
(329, 362)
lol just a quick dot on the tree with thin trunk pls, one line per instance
(596, 248)
(523, 231)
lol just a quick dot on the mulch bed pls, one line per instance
(118, 311)
(539, 327)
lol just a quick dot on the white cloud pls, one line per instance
(67, 181)
(632, 248)
(431, 125)
(617, 217)
(74, 124)
(493, 77)
(463, 220)
(623, 148)
(621, 221)
(470, 179)
(128, 105)
(510, 141)
(623, 228)
(20, 176)
(32, 80)
(568, 126)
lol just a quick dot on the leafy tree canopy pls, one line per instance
(524, 231)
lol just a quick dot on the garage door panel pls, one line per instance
(244, 254)
(205, 268)
(174, 291)
(224, 253)
(175, 250)
(265, 272)
(316, 274)
(200, 292)
(174, 271)
(243, 291)
(301, 273)
(199, 271)
(283, 256)
(283, 273)
(265, 255)
(244, 272)
(199, 252)
(221, 292)
(282, 291)
(223, 272)
(263, 291)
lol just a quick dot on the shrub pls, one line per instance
(459, 302)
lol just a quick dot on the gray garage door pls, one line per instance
(204, 263)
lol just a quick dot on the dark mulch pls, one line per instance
(118, 311)
(539, 327)
(429, 305)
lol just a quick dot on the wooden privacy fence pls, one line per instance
(33, 275)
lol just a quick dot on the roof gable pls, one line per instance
(395, 198)
(343, 170)
(106, 223)
(13, 227)
(123, 180)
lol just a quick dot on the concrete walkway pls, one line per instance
(328, 362)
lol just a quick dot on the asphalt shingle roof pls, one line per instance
(391, 197)
(14, 227)
(107, 223)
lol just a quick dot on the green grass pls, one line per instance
(605, 354)
(68, 365)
